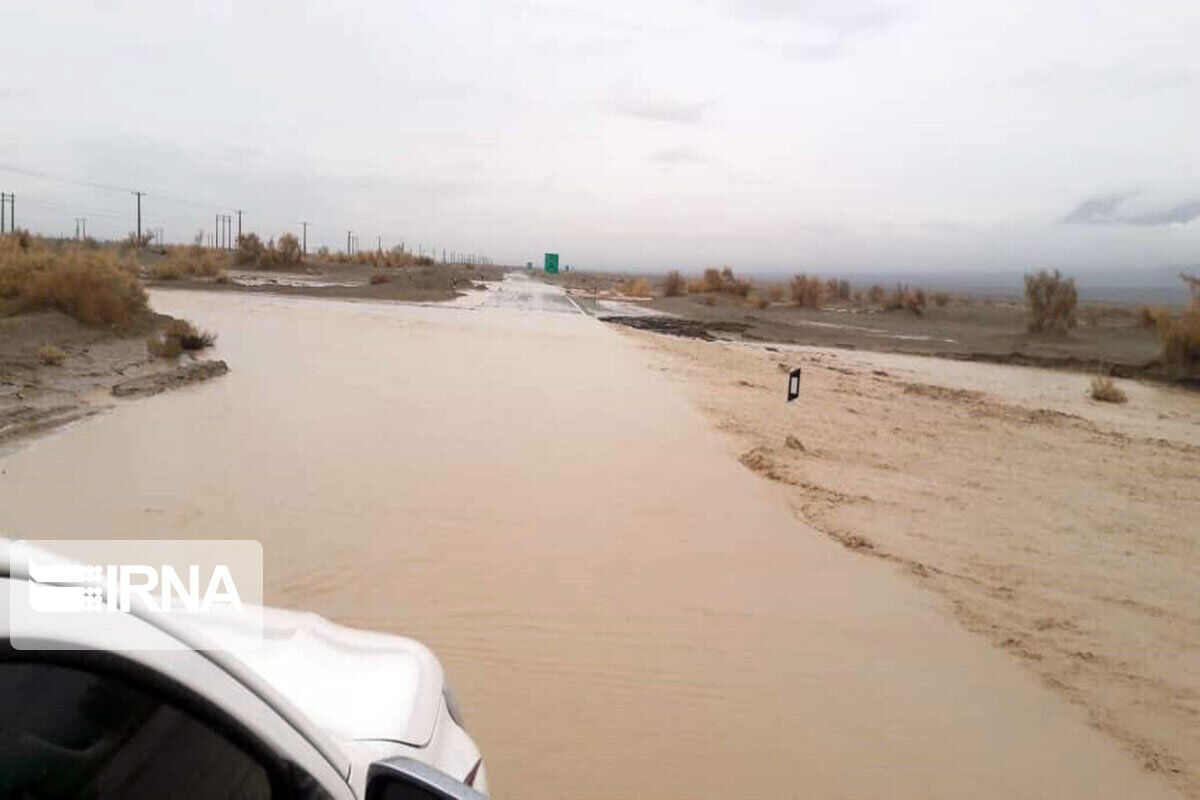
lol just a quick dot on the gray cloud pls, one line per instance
(682, 154)
(1106, 210)
(659, 109)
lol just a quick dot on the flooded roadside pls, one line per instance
(624, 610)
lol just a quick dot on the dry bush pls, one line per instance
(775, 292)
(51, 355)
(1179, 340)
(89, 285)
(379, 259)
(905, 297)
(807, 291)
(639, 287)
(1152, 317)
(282, 255)
(380, 277)
(876, 294)
(1051, 299)
(940, 299)
(759, 302)
(177, 336)
(837, 289)
(193, 261)
(722, 281)
(1104, 389)
(673, 285)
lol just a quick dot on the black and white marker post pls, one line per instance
(793, 384)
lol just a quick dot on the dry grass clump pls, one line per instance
(1106, 390)
(905, 297)
(876, 295)
(807, 291)
(89, 285)
(179, 335)
(759, 302)
(639, 287)
(775, 293)
(51, 355)
(940, 299)
(1051, 299)
(378, 259)
(673, 284)
(193, 261)
(1179, 337)
(1151, 317)
(837, 289)
(284, 254)
(380, 277)
(721, 281)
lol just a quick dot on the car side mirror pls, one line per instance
(402, 778)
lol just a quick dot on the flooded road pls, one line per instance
(624, 610)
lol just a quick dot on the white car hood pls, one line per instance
(357, 685)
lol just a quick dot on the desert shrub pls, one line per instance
(1051, 299)
(1104, 389)
(249, 249)
(759, 302)
(876, 294)
(722, 281)
(51, 355)
(636, 288)
(282, 255)
(837, 289)
(289, 250)
(905, 297)
(90, 285)
(380, 277)
(775, 292)
(177, 336)
(1179, 341)
(940, 299)
(1151, 317)
(189, 262)
(806, 291)
(379, 259)
(673, 285)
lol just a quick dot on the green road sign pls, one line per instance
(551, 262)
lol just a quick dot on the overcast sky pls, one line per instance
(766, 134)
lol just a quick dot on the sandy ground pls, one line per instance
(623, 609)
(439, 282)
(990, 329)
(99, 367)
(1061, 529)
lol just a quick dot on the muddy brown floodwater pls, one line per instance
(624, 609)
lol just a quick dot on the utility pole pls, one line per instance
(139, 217)
(216, 231)
(3, 208)
(228, 232)
(304, 241)
(239, 213)
(348, 235)
(379, 242)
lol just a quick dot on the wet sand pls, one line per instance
(624, 609)
(1060, 528)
